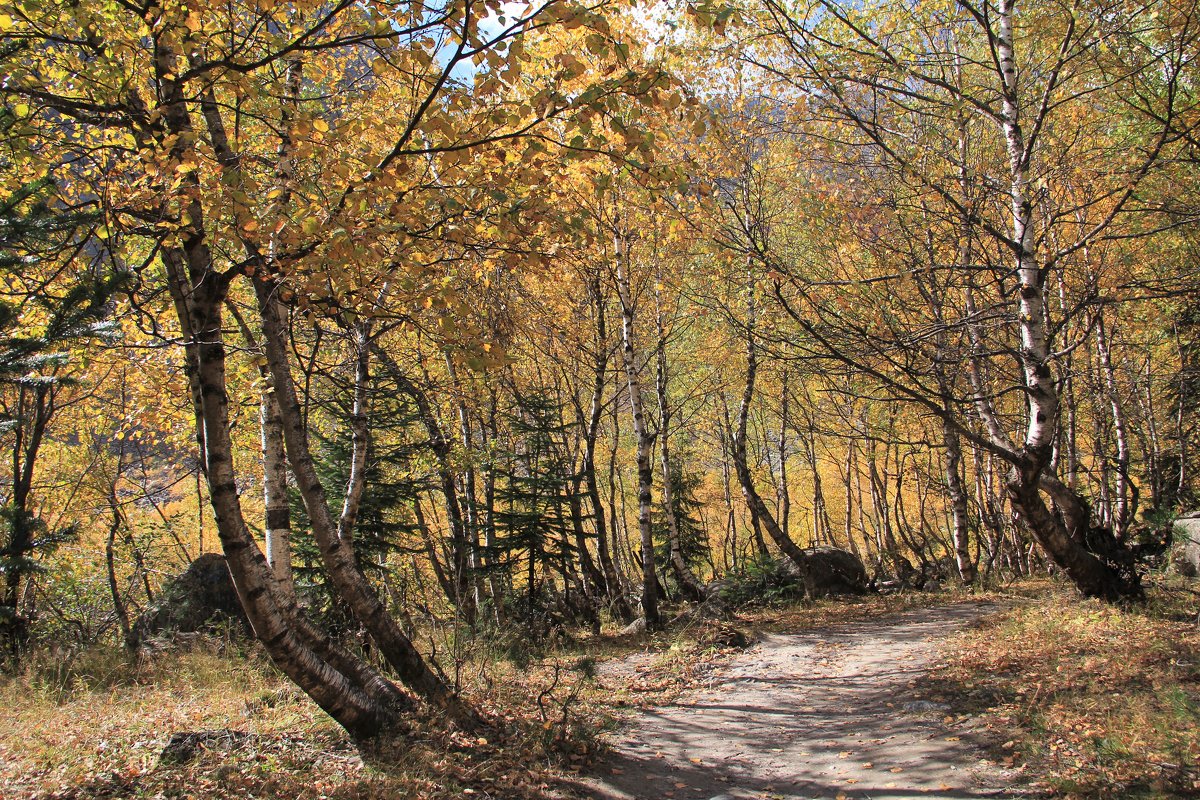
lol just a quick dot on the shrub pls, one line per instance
(763, 581)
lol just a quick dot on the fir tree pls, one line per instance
(38, 328)
(392, 482)
(693, 538)
(1177, 471)
(536, 481)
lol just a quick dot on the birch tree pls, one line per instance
(224, 192)
(889, 82)
(631, 355)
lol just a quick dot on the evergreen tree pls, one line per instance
(1177, 471)
(38, 328)
(534, 492)
(693, 538)
(394, 479)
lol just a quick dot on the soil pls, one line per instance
(829, 713)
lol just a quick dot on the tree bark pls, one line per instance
(470, 504)
(336, 692)
(612, 581)
(961, 530)
(688, 583)
(783, 499)
(119, 607)
(1091, 575)
(347, 579)
(342, 686)
(1122, 510)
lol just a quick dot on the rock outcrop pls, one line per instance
(833, 571)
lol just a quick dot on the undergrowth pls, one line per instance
(92, 724)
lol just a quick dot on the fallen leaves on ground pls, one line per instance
(1096, 700)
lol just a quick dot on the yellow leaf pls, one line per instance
(321, 125)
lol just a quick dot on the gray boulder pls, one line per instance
(201, 598)
(1185, 545)
(834, 571)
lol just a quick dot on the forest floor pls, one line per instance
(1027, 691)
(833, 712)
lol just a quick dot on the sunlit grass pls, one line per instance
(1099, 701)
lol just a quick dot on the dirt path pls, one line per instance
(821, 714)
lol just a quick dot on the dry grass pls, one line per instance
(93, 725)
(96, 730)
(845, 611)
(1097, 701)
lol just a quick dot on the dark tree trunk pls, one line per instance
(759, 512)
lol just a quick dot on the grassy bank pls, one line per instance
(1095, 701)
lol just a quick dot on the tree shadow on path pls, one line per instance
(831, 713)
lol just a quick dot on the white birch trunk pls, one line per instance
(1121, 508)
(275, 497)
(688, 582)
(645, 476)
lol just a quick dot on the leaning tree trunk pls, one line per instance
(335, 691)
(346, 577)
(759, 512)
(344, 686)
(644, 439)
(1087, 559)
(276, 503)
